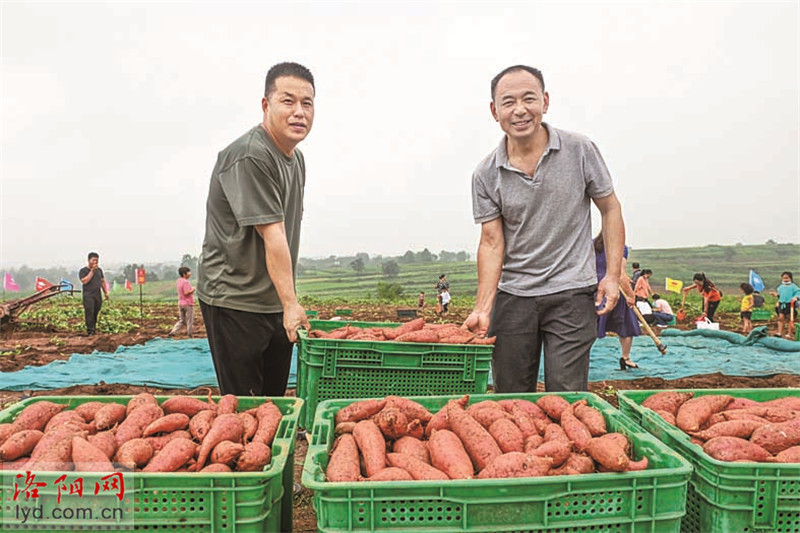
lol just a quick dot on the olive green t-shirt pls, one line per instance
(253, 183)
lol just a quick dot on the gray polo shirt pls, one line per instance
(546, 220)
(253, 183)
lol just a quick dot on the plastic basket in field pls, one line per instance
(195, 502)
(650, 501)
(335, 369)
(727, 496)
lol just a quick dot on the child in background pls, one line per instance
(445, 300)
(746, 310)
(787, 293)
(421, 301)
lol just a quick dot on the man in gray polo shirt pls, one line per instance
(246, 273)
(537, 285)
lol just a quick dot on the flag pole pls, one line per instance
(141, 312)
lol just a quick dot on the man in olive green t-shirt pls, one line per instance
(246, 272)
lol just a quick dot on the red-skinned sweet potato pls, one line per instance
(68, 418)
(410, 408)
(254, 457)
(343, 464)
(575, 430)
(201, 423)
(37, 415)
(109, 415)
(412, 446)
(20, 444)
(138, 419)
(167, 424)
(135, 452)
(507, 435)
(731, 428)
(448, 455)
(776, 437)
(391, 421)
(480, 445)
(225, 427)
(358, 411)
(372, 446)
(391, 473)
(143, 398)
(669, 401)
(159, 442)
(174, 455)
(226, 452)
(439, 419)
(88, 410)
(88, 457)
(789, 455)
(736, 449)
(227, 404)
(590, 417)
(269, 418)
(187, 405)
(418, 469)
(421, 335)
(105, 441)
(516, 464)
(697, 410)
(608, 454)
(552, 405)
(575, 464)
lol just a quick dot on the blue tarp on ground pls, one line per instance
(167, 363)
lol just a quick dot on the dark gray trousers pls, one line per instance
(91, 309)
(563, 326)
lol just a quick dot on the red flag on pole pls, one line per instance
(41, 284)
(9, 284)
(128, 286)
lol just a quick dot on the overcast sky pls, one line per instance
(113, 115)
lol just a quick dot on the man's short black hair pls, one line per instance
(93, 254)
(535, 71)
(294, 70)
(443, 275)
(183, 270)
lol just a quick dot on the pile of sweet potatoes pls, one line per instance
(397, 439)
(183, 434)
(734, 429)
(414, 331)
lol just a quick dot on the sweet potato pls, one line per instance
(372, 446)
(716, 418)
(789, 455)
(421, 335)
(668, 417)
(461, 337)
(109, 415)
(344, 427)
(201, 423)
(412, 446)
(516, 464)
(488, 415)
(136, 452)
(88, 457)
(695, 411)
(488, 341)
(226, 452)
(480, 445)
(524, 422)
(735, 449)
(669, 401)
(68, 418)
(250, 425)
(776, 437)
(531, 443)
(410, 408)
(414, 325)
(138, 419)
(269, 418)
(507, 435)
(439, 419)
(167, 424)
(227, 404)
(6, 430)
(619, 440)
(575, 464)
(780, 414)
(37, 415)
(391, 421)
(105, 441)
(788, 402)
(738, 415)
(254, 457)
(415, 429)
(343, 463)
(18, 465)
(608, 454)
(20, 444)
(358, 411)
(557, 450)
(575, 430)
(225, 427)
(391, 473)
(552, 406)
(731, 428)
(448, 455)
(54, 450)
(187, 405)
(88, 410)
(174, 455)
(590, 417)
(159, 442)
(418, 469)
(483, 404)
(215, 468)
(534, 411)
(143, 398)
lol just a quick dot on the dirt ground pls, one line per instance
(39, 346)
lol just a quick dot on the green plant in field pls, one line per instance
(56, 341)
(389, 291)
(18, 349)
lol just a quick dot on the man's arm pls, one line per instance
(88, 277)
(103, 286)
(614, 243)
(279, 266)
(490, 264)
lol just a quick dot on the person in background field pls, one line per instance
(246, 275)
(421, 301)
(621, 320)
(662, 311)
(642, 288)
(442, 284)
(635, 275)
(538, 291)
(185, 302)
(711, 295)
(94, 282)
(788, 294)
(758, 300)
(746, 310)
(445, 300)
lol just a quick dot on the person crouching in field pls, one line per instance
(788, 293)
(185, 302)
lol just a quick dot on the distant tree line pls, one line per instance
(389, 265)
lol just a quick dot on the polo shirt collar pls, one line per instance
(553, 143)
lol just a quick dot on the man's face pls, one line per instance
(93, 262)
(289, 111)
(519, 104)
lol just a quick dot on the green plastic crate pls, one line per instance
(725, 496)
(235, 502)
(648, 501)
(761, 314)
(335, 369)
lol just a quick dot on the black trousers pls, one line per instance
(252, 354)
(91, 308)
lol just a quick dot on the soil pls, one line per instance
(39, 344)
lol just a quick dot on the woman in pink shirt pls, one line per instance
(185, 302)
(642, 289)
